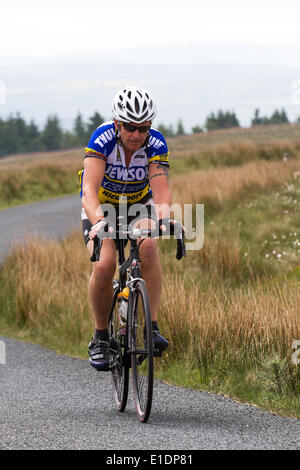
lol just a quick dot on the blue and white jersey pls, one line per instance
(120, 181)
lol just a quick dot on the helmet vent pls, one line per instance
(137, 105)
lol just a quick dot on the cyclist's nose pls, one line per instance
(136, 133)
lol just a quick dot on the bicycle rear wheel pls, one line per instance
(118, 365)
(142, 351)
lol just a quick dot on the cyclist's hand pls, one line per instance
(167, 226)
(100, 225)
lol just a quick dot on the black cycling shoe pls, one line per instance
(160, 343)
(99, 354)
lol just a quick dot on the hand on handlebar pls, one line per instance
(101, 225)
(167, 226)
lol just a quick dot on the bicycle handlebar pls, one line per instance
(135, 233)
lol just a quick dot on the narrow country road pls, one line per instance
(51, 218)
(49, 401)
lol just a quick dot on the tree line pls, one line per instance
(18, 136)
(226, 120)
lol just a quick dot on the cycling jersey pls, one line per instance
(119, 183)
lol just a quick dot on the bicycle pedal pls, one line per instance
(157, 352)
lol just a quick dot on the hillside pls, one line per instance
(30, 177)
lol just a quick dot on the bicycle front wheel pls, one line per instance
(118, 350)
(142, 351)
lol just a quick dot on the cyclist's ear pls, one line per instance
(117, 124)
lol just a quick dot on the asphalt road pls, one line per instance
(49, 401)
(51, 218)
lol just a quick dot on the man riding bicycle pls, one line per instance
(126, 159)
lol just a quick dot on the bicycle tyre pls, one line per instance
(119, 368)
(141, 351)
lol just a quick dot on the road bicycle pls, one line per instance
(131, 343)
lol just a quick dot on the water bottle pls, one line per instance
(123, 304)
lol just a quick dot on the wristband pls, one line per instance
(102, 217)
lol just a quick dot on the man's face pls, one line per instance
(133, 140)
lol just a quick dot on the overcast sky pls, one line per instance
(54, 27)
(124, 33)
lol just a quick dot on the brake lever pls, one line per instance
(181, 251)
(96, 249)
(98, 240)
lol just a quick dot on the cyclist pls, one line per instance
(124, 157)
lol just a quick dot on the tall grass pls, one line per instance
(30, 177)
(44, 291)
(216, 186)
(41, 182)
(246, 324)
(235, 341)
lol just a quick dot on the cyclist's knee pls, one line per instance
(104, 269)
(149, 251)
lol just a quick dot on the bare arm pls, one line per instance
(159, 182)
(94, 169)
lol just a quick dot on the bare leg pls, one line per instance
(100, 283)
(152, 274)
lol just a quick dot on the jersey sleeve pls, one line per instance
(101, 142)
(158, 149)
(93, 148)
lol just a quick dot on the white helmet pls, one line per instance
(133, 104)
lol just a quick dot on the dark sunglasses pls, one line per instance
(131, 128)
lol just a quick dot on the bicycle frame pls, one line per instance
(125, 263)
(133, 260)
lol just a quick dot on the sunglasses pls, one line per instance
(131, 128)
